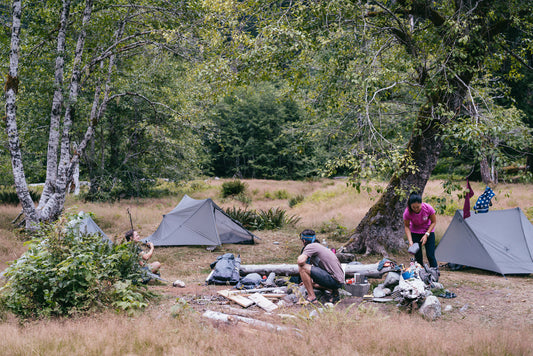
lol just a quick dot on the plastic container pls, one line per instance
(407, 274)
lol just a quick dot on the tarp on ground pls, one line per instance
(499, 241)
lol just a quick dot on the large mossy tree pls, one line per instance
(420, 67)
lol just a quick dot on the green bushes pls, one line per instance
(63, 273)
(8, 195)
(233, 188)
(273, 218)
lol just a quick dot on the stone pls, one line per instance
(431, 308)
(392, 279)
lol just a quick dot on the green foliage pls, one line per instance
(529, 213)
(64, 273)
(257, 135)
(273, 218)
(293, 201)
(233, 188)
(8, 195)
(334, 230)
(278, 194)
(248, 218)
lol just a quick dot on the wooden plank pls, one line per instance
(268, 295)
(263, 302)
(239, 299)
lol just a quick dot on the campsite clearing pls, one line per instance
(491, 314)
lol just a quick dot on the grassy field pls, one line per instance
(491, 315)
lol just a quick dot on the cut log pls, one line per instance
(369, 270)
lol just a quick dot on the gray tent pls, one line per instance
(85, 225)
(199, 222)
(499, 241)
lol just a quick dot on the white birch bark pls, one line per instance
(55, 204)
(55, 115)
(11, 123)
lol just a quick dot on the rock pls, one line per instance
(178, 283)
(290, 298)
(380, 291)
(431, 308)
(448, 308)
(392, 279)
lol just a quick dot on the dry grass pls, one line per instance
(497, 320)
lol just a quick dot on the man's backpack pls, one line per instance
(225, 270)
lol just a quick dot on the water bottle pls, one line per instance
(324, 242)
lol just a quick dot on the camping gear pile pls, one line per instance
(411, 287)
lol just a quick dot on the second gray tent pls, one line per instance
(199, 222)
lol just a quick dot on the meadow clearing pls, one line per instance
(491, 315)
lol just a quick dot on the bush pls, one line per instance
(63, 273)
(274, 218)
(233, 188)
(247, 218)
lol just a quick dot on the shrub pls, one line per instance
(296, 200)
(233, 188)
(63, 273)
(247, 218)
(274, 218)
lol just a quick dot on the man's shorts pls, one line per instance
(323, 278)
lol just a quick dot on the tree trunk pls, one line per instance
(489, 175)
(381, 229)
(11, 89)
(370, 270)
(55, 115)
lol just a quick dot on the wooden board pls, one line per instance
(268, 295)
(262, 302)
(239, 299)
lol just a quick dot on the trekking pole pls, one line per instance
(131, 221)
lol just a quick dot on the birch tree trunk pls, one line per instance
(55, 115)
(11, 89)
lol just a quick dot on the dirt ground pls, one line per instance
(482, 298)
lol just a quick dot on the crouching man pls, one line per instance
(319, 268)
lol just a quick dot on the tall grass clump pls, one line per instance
(293, 201)
(233, 188)
(64, 273)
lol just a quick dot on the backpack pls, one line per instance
(225, 270)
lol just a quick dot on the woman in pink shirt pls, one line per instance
(419, 221)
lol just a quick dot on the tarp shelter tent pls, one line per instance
(87, 226)
(499, 241)
(199, 222)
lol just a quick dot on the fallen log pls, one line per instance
(369, 271)
(236, 318)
